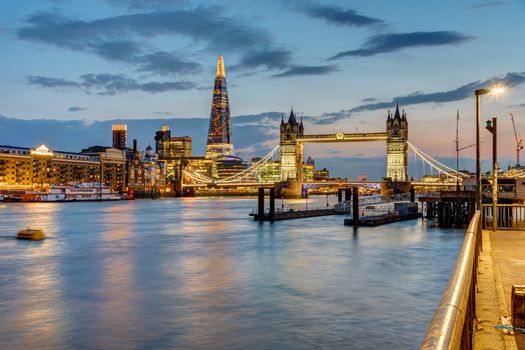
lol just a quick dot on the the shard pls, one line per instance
(219, 134)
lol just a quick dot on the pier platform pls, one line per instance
(382, 219)
(501, 265)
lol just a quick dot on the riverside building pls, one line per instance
(41, 167)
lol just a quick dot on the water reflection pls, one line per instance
(199, 273)
(36, 315)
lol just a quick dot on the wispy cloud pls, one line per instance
(76, 109)
(128, 38)
(465, 91)
(489, 4)
(269, 58)
(338, 16)
(306, 70)
(385, 43)
(107, 84)
(149, 4)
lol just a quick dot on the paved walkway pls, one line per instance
(501, 265)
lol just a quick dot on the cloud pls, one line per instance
(76, 109)
(509, 80)
(167, 63)
(385, 43)
(306, 70)
(108, 84)
(126, 37)
(149, 4)
(489, 4)
(271, 59)
(337, 15)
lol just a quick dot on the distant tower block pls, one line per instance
(219, 134)
(120, 134)
(396, 146)
(291, 150)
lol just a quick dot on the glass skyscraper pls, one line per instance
(219, 134)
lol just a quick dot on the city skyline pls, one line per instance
(341, 65)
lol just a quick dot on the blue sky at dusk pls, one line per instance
(340, 64)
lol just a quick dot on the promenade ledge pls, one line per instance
(477, 310)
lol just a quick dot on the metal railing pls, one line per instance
(509, 216)
(453, 322)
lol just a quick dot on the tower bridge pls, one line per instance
(292, 138)
(288, 154)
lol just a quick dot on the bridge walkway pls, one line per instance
(501, 265)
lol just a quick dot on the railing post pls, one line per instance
(260, 204)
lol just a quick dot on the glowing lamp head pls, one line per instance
(494, 91)
(497, 90)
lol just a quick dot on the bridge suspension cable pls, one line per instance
(253, 170)
(437, 165)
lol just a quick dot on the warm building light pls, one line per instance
(42, 150)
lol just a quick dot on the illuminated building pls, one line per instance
(169, 148)
(120, 132)
(162, 139)
(269, 172)
(200, 165)
(134, 168)
(396, 146)
(308, 170)
(229, 165)
(113, 168)
(219, 133)
(154, 171)
(323, 174)
(22, 167)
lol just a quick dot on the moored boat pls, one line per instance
(31, 234)
(85, 191)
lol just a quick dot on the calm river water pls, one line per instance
(197, 273)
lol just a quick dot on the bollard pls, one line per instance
(260, 203)
(339, 195)
(518, 306)
(272, 204)
(355, 205)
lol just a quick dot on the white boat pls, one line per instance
(84, 191)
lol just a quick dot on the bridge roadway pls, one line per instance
(342, 137)
(318, 183)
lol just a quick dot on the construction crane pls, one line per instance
(519, 141)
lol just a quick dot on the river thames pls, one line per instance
(198, 273)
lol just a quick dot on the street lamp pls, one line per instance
(492, 126)
(497, 90)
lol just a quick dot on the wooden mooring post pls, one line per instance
(272, 204)
(355, 205)
(260, 205)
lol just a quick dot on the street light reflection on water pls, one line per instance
(197, 273)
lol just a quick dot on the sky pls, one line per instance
(340, 64)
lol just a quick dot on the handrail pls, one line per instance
(451, 326)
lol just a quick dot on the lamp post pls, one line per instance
(493, 91)
(493, 128)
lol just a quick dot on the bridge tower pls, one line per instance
(396, 146)
(291, 150)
